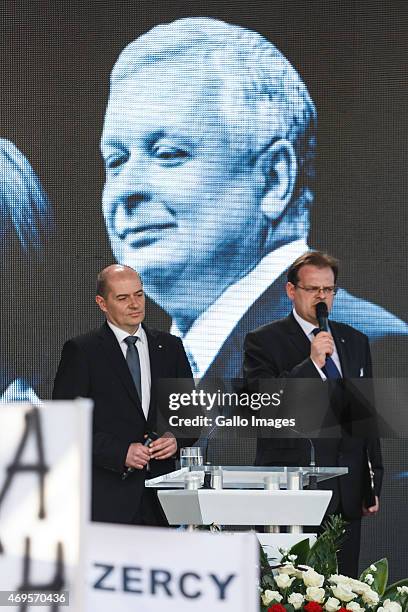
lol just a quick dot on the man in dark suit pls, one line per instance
(293, 348)
(118, 366)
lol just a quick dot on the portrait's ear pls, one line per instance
(279, 167)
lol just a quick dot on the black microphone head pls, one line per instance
(321, 310)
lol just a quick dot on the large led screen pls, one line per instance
(207, 145)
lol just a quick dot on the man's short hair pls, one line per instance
(263, 95)
(312, 258)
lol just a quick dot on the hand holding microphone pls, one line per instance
(322, 345)
(138, 455)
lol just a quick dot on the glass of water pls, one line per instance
(191, 456)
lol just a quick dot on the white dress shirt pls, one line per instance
(204, 339)
(308, 329)
(142, 348)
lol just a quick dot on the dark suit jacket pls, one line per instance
(93, 366)
(281, 350)
(387, 335)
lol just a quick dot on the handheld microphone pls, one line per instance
(151, 436)
(322, 315)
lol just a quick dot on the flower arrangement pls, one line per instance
(307, 580)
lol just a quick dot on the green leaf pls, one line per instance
(267, 582)
(301, 550)
(322, 557)
(323, 554)
(380, 576)
(263, 558)
(392, 593)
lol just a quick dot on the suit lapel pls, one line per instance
(155, 352)
(297, 336)
(118, 363)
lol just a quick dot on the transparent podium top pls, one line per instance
(243, 477)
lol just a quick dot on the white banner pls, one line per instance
(146, 569)
(44, 497)
(48, 543)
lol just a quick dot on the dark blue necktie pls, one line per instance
(133, 361)
(330, 369)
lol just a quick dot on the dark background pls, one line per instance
(55, 63)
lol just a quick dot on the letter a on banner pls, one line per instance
(32, 425)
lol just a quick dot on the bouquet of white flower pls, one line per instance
(307, 580)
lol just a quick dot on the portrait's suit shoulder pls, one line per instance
(275, 328)
(370, 319)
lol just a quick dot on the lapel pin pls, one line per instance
(160, 346)
(342, 340)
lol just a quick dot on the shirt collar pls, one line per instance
(208, 333)
(305, 325)
(120, 334)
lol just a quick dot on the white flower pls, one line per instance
(353, 606)
(370, 597)
(314, 593)
(299, 571)
(296, 599)
(343, 592)
(283, 581)
(332, 604)
(373, 567)
(269, 596)
(338, 578)
(288, 569)
(292, 558)
(390, 606)
(402, 589)
(369, 579)
(355, 585)
(312, 579)
(358, 586)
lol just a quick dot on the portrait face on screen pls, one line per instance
(181, 199)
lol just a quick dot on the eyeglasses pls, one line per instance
(315, 290)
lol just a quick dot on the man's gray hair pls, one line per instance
(263, 97)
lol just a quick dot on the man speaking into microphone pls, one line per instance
(305, 345)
